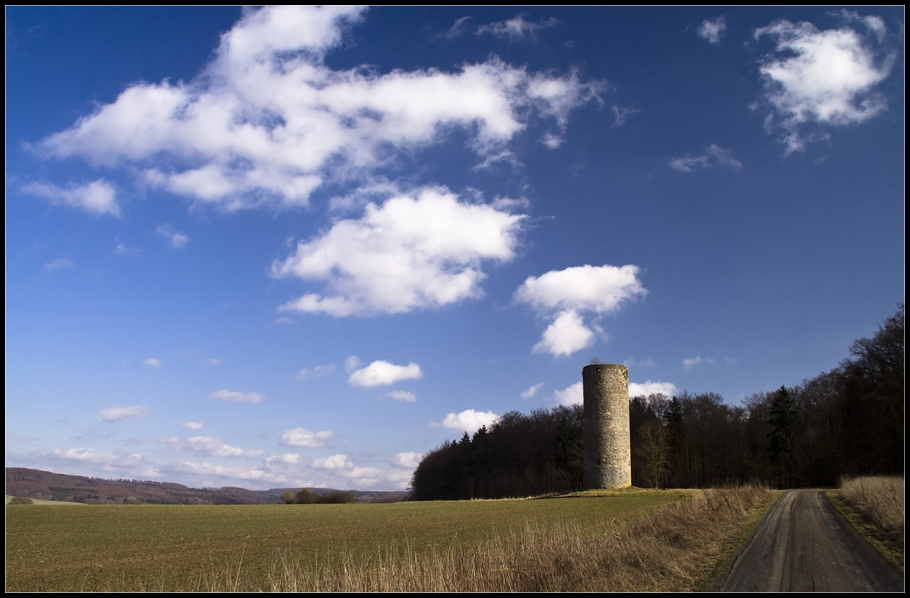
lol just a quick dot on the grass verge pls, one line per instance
(678, 548)
(874, 506)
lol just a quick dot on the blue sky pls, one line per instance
(305, 246)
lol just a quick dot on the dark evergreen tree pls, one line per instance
(782, 419)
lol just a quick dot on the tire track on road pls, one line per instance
(804, 545)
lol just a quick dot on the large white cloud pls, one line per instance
(823, 77)
(268, 121)
(563, 294)
(410, 252)
(383, 372)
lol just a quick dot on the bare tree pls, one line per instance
(655, 452)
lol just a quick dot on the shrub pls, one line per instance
(21, 500)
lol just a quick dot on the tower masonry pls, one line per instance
(605, 425)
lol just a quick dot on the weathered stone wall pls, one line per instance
(607, 440)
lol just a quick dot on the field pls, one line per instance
(262, 547)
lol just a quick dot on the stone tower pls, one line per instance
(608, 453)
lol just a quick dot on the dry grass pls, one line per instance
(879, 500)
(678, 548)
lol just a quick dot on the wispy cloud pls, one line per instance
(517, 28)
(214, 447)
(316, 372)
(152, 363)
(532, 390)
(240, 397)
(713, 30)
(691, 362)
(175, 239)
(402, 395)
(98, 197)
(57, 264)
(714, 156)
(303, 437)
(116, 413)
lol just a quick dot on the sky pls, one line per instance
(301, 246)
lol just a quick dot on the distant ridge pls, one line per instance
(46, 485)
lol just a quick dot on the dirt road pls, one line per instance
(804, 545)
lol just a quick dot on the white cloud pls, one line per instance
(192, 426)
(562, 294)
(114, 413)
(573, 395)
(409, 460)
(338, 461)
(517, 28)
(213, 447)
(98, 197)
(174, 238)
(303, 437)
(467, 421)
(599, 289)
(694, 361)
(713, 30)
(566, 335)
(823, 77)
(268, 122)
(152, 363)
(241, 397)
(57, 264)
(407, 254)
(715, 156)
(210, 361)
(402, 395)
(527, 394)
(383, 372)
(652, 388)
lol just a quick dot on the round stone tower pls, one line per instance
(608, 453)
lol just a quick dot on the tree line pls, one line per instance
(305, 497)
(845, 422)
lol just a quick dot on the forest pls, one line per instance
(845, 422)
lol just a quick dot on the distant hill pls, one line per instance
(46, 485)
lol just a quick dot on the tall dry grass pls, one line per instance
(880, 499)
(676, 549)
